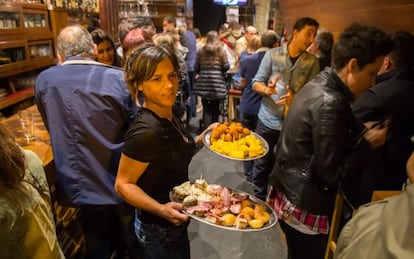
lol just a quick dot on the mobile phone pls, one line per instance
(381, 124)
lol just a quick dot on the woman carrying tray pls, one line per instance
(156, 154)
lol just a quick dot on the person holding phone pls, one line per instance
(390, 103)
(288, 65)
(322, 143)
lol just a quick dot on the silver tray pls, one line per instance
(206, 142)
(270, 224)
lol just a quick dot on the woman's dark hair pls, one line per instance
(142, 62)
(12, 161)
(99, 36)
(170, 20)
(362, 42)
(213, 49)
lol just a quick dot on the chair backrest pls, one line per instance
(335, 224)
(341, 202)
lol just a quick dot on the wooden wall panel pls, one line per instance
(109, 17)
(335, 15)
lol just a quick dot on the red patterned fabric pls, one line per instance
(283, 208)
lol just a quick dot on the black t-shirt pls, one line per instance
(154, 140)
(293, 60)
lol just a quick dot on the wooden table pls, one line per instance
(41, 145)
(68, 227)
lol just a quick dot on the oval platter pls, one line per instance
(206, 142)
(272, 222)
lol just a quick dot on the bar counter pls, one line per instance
(41, 145)
(68, 228)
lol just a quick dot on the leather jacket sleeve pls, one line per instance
(320, 145)
(339, 149)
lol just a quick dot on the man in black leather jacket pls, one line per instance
(322, 142)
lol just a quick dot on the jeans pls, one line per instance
(162, 242)
(263, 166)
(248, 121)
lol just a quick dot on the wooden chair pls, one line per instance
(340, 200)
(234, 96)
(379, 195)
(334, 228)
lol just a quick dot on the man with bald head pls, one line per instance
(243, 42)
(87, 108)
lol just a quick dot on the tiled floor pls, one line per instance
(208, 242)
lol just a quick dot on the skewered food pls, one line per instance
(248, 211)
(242, 221)
(221, 206)
(232, 139)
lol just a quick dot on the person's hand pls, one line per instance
(199, 138)
(271, 86)
(287, 98)
(171, 211)
(376, 134)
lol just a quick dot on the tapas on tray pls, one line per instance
(223, 207)
(232, 140)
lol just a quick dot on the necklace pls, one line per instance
(177, 127)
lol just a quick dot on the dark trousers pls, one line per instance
(163, 242)
(263, 166)
(248, 121)
(191, 105)
(211, 111)
(301, 246)
(109, 231)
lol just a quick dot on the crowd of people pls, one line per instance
(336, 113)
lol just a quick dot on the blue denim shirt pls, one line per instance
(277, 61)
(87, 109)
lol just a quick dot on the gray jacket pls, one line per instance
(380, 230)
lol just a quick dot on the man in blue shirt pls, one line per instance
(288, 65)
(251, 100)
(86, 108)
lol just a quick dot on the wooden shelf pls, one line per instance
(15, 68)
(27, 41)
(17, 97)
